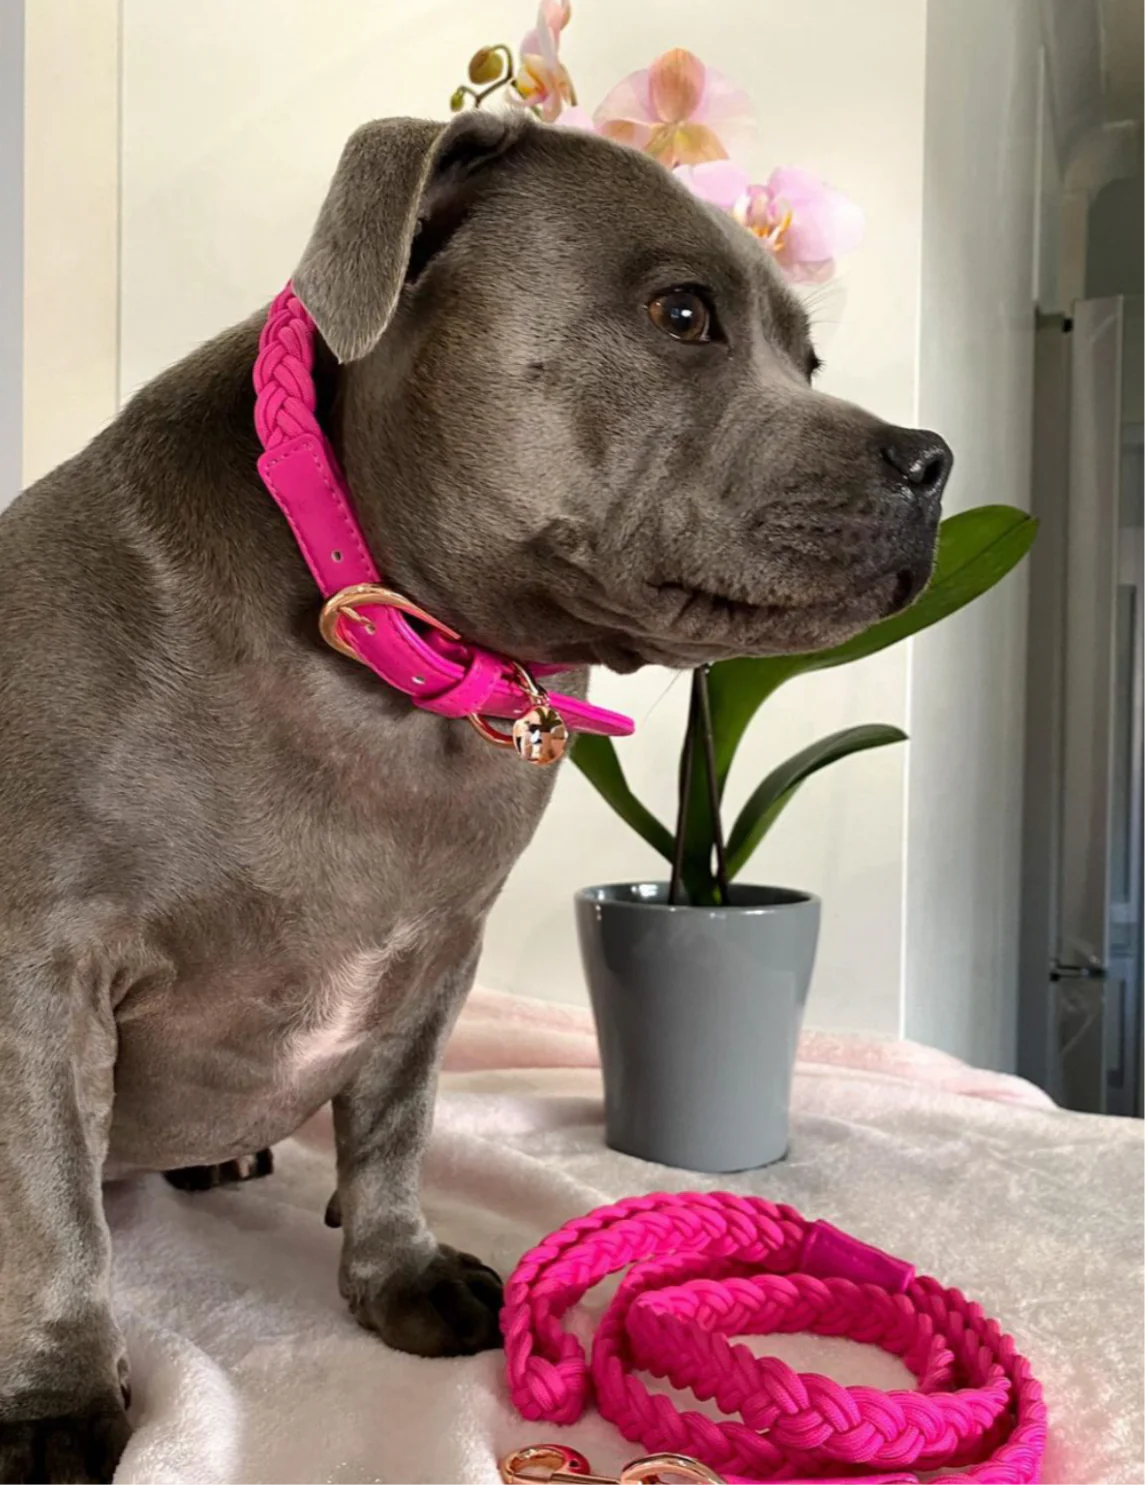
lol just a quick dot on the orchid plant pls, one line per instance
(689, 117)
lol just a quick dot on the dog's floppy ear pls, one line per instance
(393, 175)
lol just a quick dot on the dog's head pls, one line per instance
(576, 408)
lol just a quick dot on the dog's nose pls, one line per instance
(922, 459)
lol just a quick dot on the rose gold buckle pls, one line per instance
(547, 1464)
(539, 735)
(345, 603)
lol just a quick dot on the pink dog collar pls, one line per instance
(703, 1267)
(435, 668)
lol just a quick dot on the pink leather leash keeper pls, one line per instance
(433, 666)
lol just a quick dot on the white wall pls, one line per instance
(230, 123)
(71, 226)
(11, 248)
(218, 152)
(967, 680)
(233, 116)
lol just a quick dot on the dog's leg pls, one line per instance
(63, 1368)
(418, 1294)
(228, 1173)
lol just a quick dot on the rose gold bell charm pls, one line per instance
(540, 736)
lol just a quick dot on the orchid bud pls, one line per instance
(485, 66)
(457, 102)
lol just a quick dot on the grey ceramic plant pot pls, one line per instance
(698, 1012)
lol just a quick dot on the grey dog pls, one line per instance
(239, 877)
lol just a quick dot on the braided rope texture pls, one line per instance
(285, 398)
(703, 1267)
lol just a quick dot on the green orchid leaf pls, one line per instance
(771, 797)
(976, 549)
(596, 758)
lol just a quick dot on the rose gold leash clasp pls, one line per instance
(547, 1464)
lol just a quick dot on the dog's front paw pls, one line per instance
(450, 1305)
(82, 1446)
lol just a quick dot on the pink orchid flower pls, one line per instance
(673, 110)
(717, 181)
(542, 81)
(576, 118)
(806, 223)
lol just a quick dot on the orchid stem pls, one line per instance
(465, 91)
(705, 718)
(687, 769)
(492, 88)
(508, 55)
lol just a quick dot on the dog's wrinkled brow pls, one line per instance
(785, 321)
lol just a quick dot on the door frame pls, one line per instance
(1070, 985)
(1045, 677)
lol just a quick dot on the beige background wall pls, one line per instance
(71, 226)
(232, 120)
(176, 158)
(11, 250)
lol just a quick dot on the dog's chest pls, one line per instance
(344, 1006)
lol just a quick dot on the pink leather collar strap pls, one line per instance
(407, 648)
(703, 1267)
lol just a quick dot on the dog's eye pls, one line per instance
(684, 314)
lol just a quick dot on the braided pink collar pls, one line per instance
(703, 1267)
(402, 644)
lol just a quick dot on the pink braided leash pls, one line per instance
(706, 1266)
